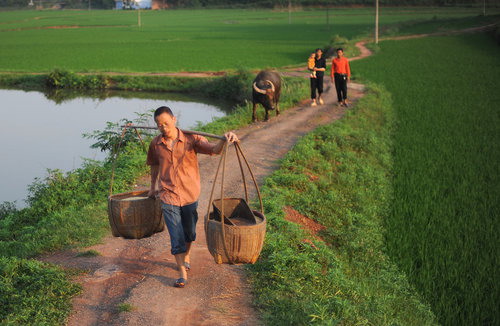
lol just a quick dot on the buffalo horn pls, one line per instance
(258, 90)
(272, 85)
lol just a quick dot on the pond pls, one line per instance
(44, 131)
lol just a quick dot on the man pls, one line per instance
(317, 82)
(341, 74)
(173, 161)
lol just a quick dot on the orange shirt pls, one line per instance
(179, 174)
(340, 66)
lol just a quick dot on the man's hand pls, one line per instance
(152, 193)
(231, 137)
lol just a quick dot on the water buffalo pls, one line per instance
(266, 91)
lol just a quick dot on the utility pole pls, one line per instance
(289, 12)
(376, 21)
(139, 16)
(89, 6)
(328, 18)
(484, 7)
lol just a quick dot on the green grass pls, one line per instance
(443, 226)
(34, 293)
(338, 175)
(182, 40)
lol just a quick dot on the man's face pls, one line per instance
(340, 53)
(319, 53)
(166, 124)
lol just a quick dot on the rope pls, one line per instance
(222, 162)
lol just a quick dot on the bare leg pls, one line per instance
(180, 259)
(187, 259)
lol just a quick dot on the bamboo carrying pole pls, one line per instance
(205, 134)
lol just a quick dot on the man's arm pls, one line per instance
(154, 176)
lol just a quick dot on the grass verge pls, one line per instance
(340, 176)
(34, 293)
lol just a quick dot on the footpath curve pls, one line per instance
(142, 272)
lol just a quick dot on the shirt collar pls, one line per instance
(180, 137)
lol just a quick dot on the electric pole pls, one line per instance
(289, 11)
(376, 21)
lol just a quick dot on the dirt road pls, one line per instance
(142, 272)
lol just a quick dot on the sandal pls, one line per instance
(187, 266)
(180, 283)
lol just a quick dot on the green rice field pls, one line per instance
(190, 40)
(443, 227)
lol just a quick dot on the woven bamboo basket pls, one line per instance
(235, 233)
(134, 219)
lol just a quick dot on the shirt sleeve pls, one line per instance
(202, 146)
(152, 158)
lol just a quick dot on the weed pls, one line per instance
(125, 307)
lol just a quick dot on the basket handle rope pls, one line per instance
(222, 162)
(117, 153)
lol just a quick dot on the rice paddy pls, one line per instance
(186, 40)
(443, 227)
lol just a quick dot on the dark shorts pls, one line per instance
(181, 225)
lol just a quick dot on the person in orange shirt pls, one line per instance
(340, 75)
(172, 157)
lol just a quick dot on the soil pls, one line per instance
(306, 223)
(142, 272)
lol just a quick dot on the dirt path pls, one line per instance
(141, 272)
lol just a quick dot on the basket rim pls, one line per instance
(258, 225)
(128, 194)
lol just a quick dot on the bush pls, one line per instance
(59, 78)
(235, 88)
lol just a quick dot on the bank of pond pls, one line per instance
(39, 133)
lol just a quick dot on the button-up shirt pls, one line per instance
(340, 66)
(178, 174)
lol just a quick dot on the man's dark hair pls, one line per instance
(339, 49)
(318, 50)
(163, 109)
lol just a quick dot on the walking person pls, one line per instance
(317, 82)
(340, 75)
(172, 157)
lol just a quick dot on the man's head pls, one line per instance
(340, 52)
(166, 122)
(319, 53)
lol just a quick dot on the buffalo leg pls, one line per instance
(277, 109)
(267, 115)
(254, 116)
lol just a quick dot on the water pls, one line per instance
(38, 133)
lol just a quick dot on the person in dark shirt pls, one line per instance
(317, 83)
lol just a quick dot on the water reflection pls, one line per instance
(39, 133)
